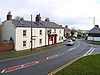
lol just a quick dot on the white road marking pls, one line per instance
(22, 66)
(37, 62)
(88, 52)
(91, 51)
(3, 71)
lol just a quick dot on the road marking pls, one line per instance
(71, 48)
(91, 51)
(88, 51)
(62, 67)
(28, 64)
(3, 71)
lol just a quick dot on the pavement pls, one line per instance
(44, 63)
(97, 49)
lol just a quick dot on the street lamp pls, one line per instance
(93, 29)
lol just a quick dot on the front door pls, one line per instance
(55, 39)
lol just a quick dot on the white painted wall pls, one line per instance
(95, 38)
(20, 38)
(58, 35)
(8, 30)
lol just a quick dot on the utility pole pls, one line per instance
(31, 33)
(93, 29)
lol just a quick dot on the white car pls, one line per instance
(70, 43)
(73, 39)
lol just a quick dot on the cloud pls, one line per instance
(60, 11)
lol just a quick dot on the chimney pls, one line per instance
(9, 16)
(38, 18)
(60, 25)
(66, 26)
(97, 26)
(47, 19)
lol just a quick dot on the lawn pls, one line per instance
(95, 42)
(89, 65)
(15, 54)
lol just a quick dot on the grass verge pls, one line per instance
(15, 54)
(89, 65)
(95, 42)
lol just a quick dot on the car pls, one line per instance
(70, 43)
(73, 39)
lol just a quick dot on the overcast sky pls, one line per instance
(74, 13)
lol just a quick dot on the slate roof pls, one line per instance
(95, 30)
(42, 24)
(23, 23)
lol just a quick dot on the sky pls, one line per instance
(74, 13)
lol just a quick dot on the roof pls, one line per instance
(95, 30)
(23, 23)
(42, 24)
(50, 24)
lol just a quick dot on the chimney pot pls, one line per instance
(9, 16)
(97, 26)
(38, 18)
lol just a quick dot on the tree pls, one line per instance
(19, 18)
(73, 30)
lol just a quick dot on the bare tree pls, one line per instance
(19, 18)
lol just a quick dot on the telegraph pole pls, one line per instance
(31, 33)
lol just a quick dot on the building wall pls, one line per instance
(67, 32)
(0, 32)
(36, 38)
(95, 38)
(59, 32)
(60, 35)
(8, 31)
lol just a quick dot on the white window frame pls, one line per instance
(40, 41)
(40, 32)
(24, 32)
(24, 43)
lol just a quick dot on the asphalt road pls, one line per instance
(42, 64)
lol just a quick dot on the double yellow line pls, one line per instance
(62, 67)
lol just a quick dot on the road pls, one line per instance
(42, 64)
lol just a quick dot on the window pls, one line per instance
(51, 38)
(60, 38)
(40, 32)
(54, 30)
(24, 43)
(49, 31)
(59, 31)
(40, 41)
(24, 32)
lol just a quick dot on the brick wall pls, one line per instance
(5, 47)
(0, 32)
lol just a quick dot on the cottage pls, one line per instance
(19, 31)
(67, 32)
(94, 34)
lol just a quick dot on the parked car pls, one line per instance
(70, 43)
(73, 39)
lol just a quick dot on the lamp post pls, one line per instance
(93, 29)
(31, 33)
